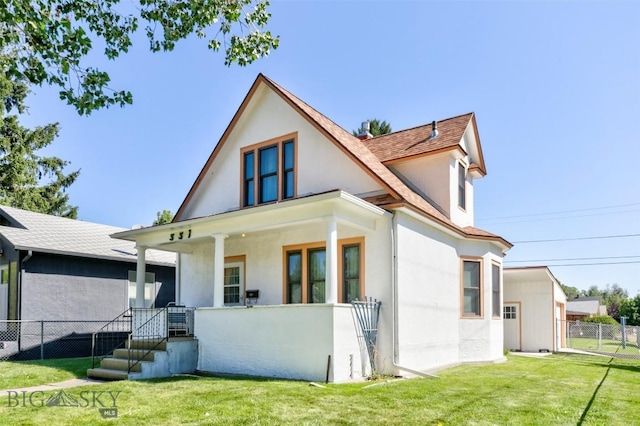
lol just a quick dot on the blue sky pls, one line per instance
(555, 87)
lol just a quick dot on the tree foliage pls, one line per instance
(165, 216)
(27, 180)
(571, 292)
(612, 296)
(630, 308)
(48, 41)
(602, 319)
(376, 127)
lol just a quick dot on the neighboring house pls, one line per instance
(585, 307)
(58, 269)
(534, 310)
(295, 217)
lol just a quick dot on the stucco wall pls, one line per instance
(430, 175)
(431, 332)
(288, 341)
(268, 117)
(263, 253)
(436, 176)
(428, 299)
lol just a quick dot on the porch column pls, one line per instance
(218, 270)
(331, 277)
(140, 276)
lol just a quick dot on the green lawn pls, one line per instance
(605, 345)
(14, 374)
(561, 389)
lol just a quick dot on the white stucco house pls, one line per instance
(298, 214)
(534, 312)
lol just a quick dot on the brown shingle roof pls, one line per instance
(371, 162)
(415, 141)
(357, 151)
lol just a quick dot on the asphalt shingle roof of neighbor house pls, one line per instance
(58, 235)
(590, 305)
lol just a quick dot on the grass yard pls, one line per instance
(606, 345)
(14, 374)
(561, 389)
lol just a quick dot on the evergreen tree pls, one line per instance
(27, 180)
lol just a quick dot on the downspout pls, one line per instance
(26, 258)
(394, 304)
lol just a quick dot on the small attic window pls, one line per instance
(462, 186)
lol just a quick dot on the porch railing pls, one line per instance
(141, 330)
(170, 321)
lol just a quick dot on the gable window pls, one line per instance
(495, 288)
(305, 272)
(471, 288)
(269, 171)
(462, 182)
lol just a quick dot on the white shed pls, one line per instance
(534, 310)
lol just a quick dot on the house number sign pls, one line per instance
(179, 235)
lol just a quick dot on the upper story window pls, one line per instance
(462, 186)
(269, 171)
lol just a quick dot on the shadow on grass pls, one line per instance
(593, 397)
(76, 366)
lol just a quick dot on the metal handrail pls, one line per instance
(94, 336)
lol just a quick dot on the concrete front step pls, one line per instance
(122, 364)
(148, 344)
(107, 374)
(141, 354)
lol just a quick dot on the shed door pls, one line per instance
(511, 316)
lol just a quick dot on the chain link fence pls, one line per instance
(28, 340)
(606, 339)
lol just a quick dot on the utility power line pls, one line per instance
(577, 239)
(560, 212)
(542, 219)
(571, 259)
(594, 264)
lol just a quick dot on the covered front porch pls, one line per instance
(272, 284)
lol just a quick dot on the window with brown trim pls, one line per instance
(462, 186)
(471, 288)
(305, 272)
(495, 289)
(269, 171)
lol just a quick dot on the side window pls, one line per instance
(462, 186)
(471, 289)
(495, 288)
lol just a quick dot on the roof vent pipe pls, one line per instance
(434, 129)
(366, 127)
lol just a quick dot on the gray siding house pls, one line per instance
(58, 269)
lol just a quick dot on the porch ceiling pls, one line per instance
(336, 205)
